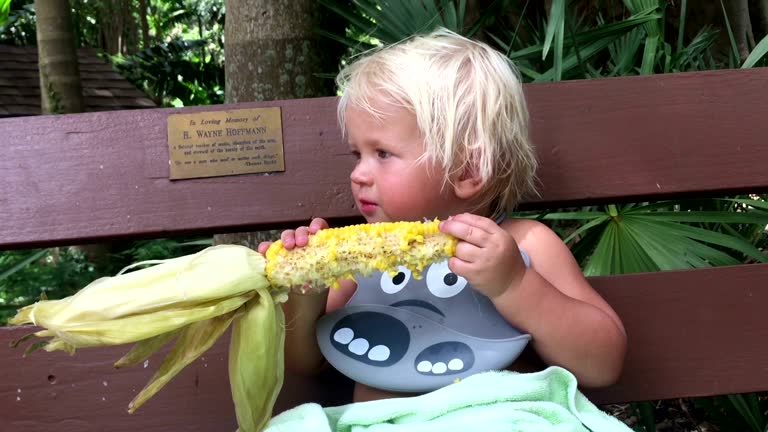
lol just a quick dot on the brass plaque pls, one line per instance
(220, 143)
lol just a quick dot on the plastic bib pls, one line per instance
(399, 333)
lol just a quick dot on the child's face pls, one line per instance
(389, 182)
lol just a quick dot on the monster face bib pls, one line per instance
(400, 333)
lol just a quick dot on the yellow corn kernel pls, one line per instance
(338, 253)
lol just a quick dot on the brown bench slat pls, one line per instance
(691, 333)
(681, 344)
(650, 136)
(76, 178)
(84, 393)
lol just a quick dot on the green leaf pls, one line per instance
(5, 9)
(757, 53)
(649, 55)
(731, 38)
(572, 60)
(600, 263)
(363, 24)
(611, 31)
(693, 253)
(347, 41)
(450, 19)
(681, 25)
(665, 250)
(743, 409)
(554, 25)
(653, 30)
(597, 221)
(710, 216)
(573, 215)
(719, 239)
(752, 203)
(34, 256)
(634, 258)
(461, 14)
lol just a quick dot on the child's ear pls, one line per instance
(468, 185)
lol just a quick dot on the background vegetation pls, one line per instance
(174, 51)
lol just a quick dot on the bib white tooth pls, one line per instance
(344, 335)
(424, 366)
(379, 353)
(439, 368)
(359, 346)
(456, 364)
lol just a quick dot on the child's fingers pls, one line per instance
(289, 239)
(465, 231)
(317, 224)
(459, 266)
(301, 236)
(263, 246)
(480, 222)
(468, 252)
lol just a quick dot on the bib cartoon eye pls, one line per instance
(442, 282)
(393, 284)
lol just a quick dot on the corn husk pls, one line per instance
(175, 284)
(256, 361)
(192, 300)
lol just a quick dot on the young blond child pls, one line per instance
(439, 127)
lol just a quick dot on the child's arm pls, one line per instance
(571, 325)
(302, 354)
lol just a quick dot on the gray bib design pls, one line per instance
(399, 333)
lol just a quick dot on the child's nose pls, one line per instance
(359, 175)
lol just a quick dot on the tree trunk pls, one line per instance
(738, 16)
(131, 45)
(111, 23)
(272, 53)
(144, 24)
(60, 88)
(763, 8)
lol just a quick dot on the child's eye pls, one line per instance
(356, 154)
(383, 154)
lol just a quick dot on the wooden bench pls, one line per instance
(100, 176)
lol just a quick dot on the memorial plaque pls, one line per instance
(221, 143)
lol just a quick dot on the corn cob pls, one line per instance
(194, 298)
(338, 253)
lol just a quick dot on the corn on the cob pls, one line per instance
(195, 298)
(337, 253)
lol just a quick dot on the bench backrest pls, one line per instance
(88, 177)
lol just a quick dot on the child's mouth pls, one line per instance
(367, 206)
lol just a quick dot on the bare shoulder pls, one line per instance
(549, 255)
(534, 236)
(552, 259)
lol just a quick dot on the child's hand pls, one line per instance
(298, 237)
(486, 255)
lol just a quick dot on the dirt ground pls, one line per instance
(677, 415)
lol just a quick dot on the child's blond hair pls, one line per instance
(469, 106)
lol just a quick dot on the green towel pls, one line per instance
(488, 402)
